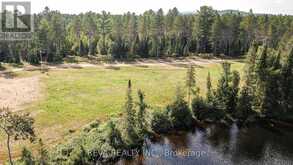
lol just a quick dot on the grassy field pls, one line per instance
(74, 97)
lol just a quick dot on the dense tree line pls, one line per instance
(151, 34)
(266, 93)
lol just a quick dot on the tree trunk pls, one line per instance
(8, 148)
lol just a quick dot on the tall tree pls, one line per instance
(191, 83)
(130, 122)
(104, 28)
(205, 19)
(209, 95)
(141, 115)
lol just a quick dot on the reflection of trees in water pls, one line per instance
(281, 143)
(250, 144)
(254, 145)
(179, 142)
(218, 137)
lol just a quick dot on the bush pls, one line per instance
(26, 157)
(160, 122)
(78, 156)
(180, 114)
(205, 111)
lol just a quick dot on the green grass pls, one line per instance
(74, 97)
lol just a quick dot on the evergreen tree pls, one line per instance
(191, 83)
(209, 95)
(245, 103)
(204, 27)
(130, 122)
(287, 85)
(114, 137)
(104, 28)
(217, 35)
(141, 115)
(227, 89)
(179, 112)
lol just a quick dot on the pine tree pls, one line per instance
(217, 35)
(250, 66)
(141, 115)
(209, 95)
(234, 91)
(204, 22)
(104, 28)
(261, 69)
(191, 83)
(114, 138)
(227, 89)
(130, 122)
(287, 85)
(245, 103)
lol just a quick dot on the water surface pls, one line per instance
(219, 145)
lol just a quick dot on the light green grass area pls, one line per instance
(75, 97)
(72, 98)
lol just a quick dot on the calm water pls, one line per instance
(219, 145)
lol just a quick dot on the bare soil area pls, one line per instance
(15, 93)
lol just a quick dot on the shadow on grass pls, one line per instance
(112, 67)
(8, 75)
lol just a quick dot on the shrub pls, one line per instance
(205, 111)
(26, 157)
(179, 112)
(160, 122)
(78, 156)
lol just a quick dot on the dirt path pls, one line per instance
(167, 62)
(15, 93)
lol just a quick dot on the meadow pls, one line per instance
(72, 98)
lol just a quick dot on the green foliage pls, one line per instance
(161, 122)
(204, 22)
(227, 90)
(209, 94)
(191, 83)
(179, 112)
(142, 124)
(78, 156)
(130, 115)
(27, 157)
(152, 33)
(245, 103)
(104, 28)
(16, 126)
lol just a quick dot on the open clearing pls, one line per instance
(16, 93)
(73, 97)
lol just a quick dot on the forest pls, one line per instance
(151, 34)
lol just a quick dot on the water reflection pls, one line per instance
(219, 145)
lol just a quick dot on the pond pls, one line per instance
(219, 145)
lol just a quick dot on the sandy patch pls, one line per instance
(17, 92)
